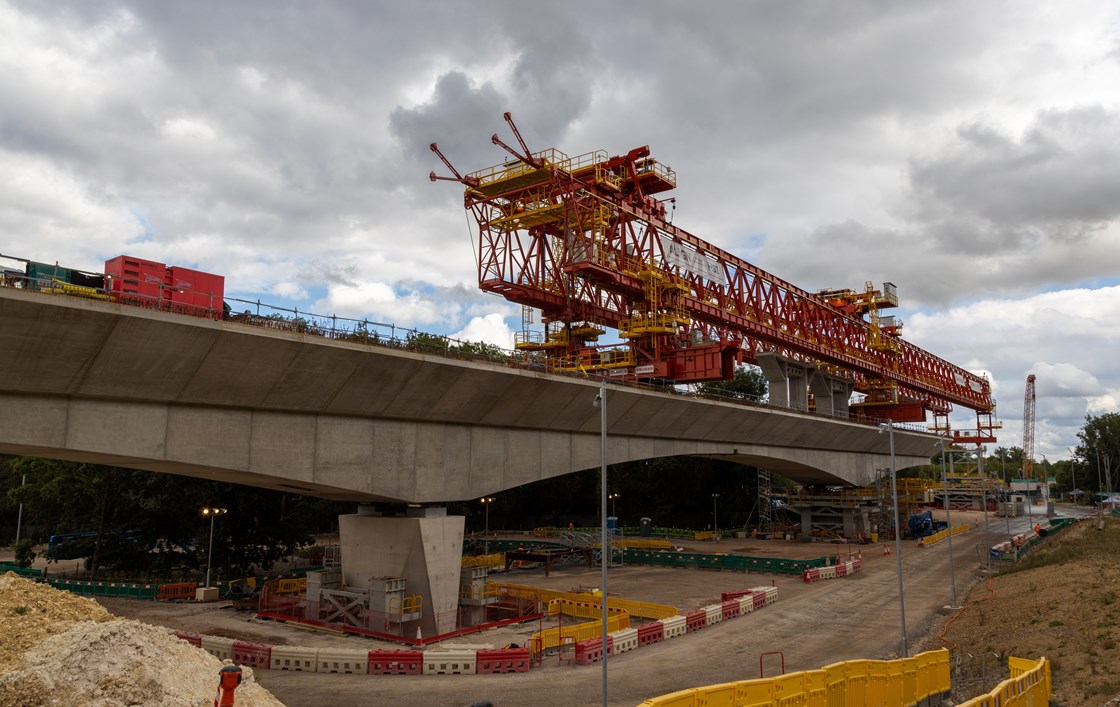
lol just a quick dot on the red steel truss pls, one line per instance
(583, 240)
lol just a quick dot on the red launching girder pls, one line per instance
(583, 240)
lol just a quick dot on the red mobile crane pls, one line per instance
(585, 241)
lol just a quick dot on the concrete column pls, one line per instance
(425, 548)
(831, 393)
(788, 381)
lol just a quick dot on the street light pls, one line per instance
(984, 500)
(715, 516)
(604, 543)
(889, 427)
(614, 505)
(486, 533)
(212, 512)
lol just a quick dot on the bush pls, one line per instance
(25, 555)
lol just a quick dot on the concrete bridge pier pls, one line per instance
(424, 547)
(830, 393)
(788, 381)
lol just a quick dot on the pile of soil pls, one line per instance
(31, 612)
(74, 653)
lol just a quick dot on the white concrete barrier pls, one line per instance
(343, 660)
(450, 661)
(220, 648)
(674, 626)
(294, 658)
(623, 640)
(714, 614)
(771, 593)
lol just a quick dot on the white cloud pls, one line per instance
(490, 329)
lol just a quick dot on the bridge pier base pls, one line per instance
(425, 547)
(835, 514)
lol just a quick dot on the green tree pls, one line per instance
(149, 522)
(747, 384)
(1100, 451)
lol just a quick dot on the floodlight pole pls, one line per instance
(889, 427)
(19, 518)
(212, 512)
(605, 546)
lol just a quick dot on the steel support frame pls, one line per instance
(758, 311)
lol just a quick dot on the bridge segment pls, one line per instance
(106, 383)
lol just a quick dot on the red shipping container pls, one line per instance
(195, 289)
(136, 278)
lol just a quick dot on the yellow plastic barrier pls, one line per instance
(906, 681)
(494, 561)
(1029, 684)
(582, 610)
(544, 596)
(942, 534)
(551, 638)
(291, 586)
(704, 535)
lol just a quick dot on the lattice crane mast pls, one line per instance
(1028, 429)
(586, 241)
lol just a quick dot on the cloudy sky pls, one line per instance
(968, 152)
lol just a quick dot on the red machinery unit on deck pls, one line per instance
(152, 284)
(584, 241)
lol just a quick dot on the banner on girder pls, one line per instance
(691, 261)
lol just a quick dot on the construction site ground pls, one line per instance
(1030, 614)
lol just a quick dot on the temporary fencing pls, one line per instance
(507, 660)
(842, 569)
(1029, 684)
(180, 590)
(907, 681)
(396, 662)
(591, 650)
(131, 590)
(542, 597)
(942, 534)
(551, 638)
(255, 655)
(727, 563)
(347, 661)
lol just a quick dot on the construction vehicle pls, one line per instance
(922, 525)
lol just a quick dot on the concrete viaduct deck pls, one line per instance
(100, 382)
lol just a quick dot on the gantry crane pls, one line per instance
(585, 241)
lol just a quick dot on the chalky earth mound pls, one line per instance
(61, 649)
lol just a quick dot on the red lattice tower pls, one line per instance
(1028, 429)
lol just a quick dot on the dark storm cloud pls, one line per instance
(455, 118)
(1061, 176)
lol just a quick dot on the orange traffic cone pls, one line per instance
(886, 549)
